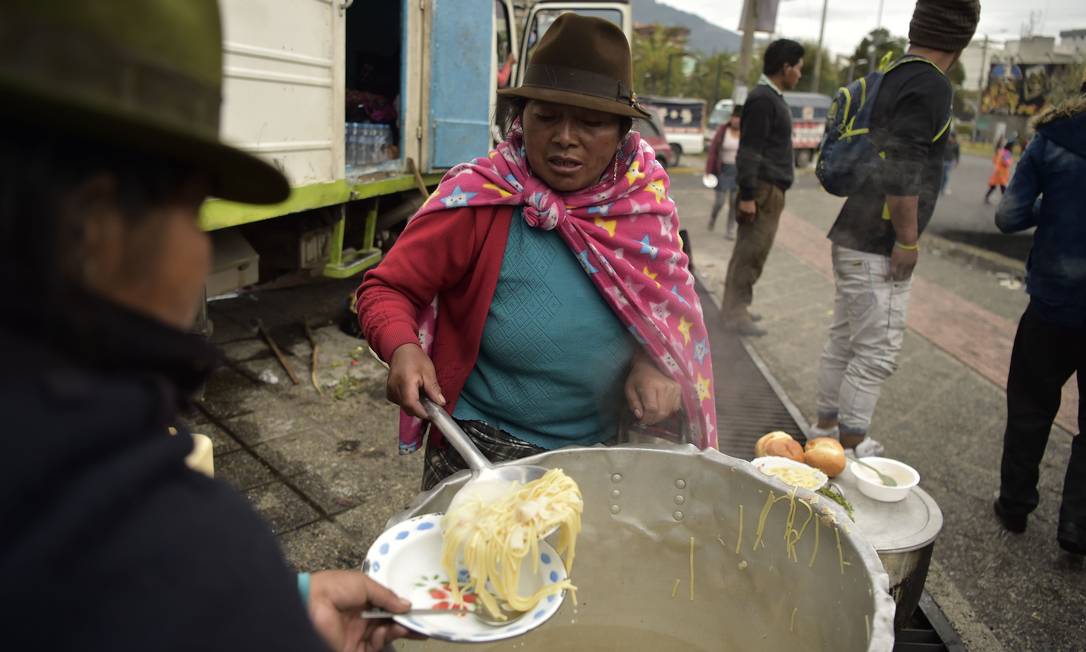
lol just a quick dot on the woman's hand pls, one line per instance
(652, 395)
(335, 600)
(409, 371)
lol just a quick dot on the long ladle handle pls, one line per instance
(457, 437)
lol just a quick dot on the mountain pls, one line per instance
(704, 36)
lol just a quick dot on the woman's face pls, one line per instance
(569, 147)
(733, 122)
(155, 265)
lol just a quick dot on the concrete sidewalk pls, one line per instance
(943, 412)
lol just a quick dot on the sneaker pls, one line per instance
(1011, 522)
(869, 448)
(729, 235)
(1071, 538)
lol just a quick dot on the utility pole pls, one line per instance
(818, 53)
(881, 3)
(750, 22)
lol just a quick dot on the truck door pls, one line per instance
(462, 53)
(279, 56)
(543, 14)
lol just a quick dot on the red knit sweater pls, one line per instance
(455, 256)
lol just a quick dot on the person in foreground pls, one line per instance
(109, 540)
(765, 173)
(1050, 346)
(876, 234)
(563, 299)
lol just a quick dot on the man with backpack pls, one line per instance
(883, 149)
(765, 172)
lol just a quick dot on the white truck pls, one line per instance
(362, 105)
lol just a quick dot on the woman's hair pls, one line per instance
(39, 238)
(510, 108)
(780, 52)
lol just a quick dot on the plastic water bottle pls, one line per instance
(350, 143)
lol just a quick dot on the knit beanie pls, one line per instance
(944, 24)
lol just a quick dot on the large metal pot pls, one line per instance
(643, 507)
(903, 534)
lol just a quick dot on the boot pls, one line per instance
(743, 325)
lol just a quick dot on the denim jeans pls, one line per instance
(864, 340)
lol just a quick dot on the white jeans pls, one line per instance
(864, 340)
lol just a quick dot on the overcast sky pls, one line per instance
(848, 20)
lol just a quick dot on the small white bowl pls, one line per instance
(870, 486)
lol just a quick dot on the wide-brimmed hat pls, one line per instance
(582, 61)
(144, 75)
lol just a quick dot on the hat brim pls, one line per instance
(576, 99)
(235, 175)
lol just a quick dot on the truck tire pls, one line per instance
(676, 154)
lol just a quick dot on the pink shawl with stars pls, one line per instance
(625, 233)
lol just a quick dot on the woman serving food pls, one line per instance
(542, 291)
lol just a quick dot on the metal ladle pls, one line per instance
(482, 471)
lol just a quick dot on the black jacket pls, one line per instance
(765, 142)
(108, 541)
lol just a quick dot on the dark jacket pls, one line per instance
(109, 541)
(765, 142)
(1048, 191)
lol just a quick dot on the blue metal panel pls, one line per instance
(461, 34)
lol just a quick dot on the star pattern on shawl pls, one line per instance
(607, 225)
(602, 209)
(675, 291)
(651, 275)
(617, 296)
(648, 248)
(701, 349)
(636, 209)
(634, 173)
(684, 328)
(659, 310)
(670, 363)
(672, 262)
(657, 188)
(665, 224)
(634, 288)
(582, 257)
(501, 191)
(704, 388)
(458, 198)
(512, 180)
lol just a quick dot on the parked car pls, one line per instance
(722, 112)
(654, 135)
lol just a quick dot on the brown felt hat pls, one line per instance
(582, 61)
(944, 24)
(140, 74)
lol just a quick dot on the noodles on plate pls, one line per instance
(493, 538)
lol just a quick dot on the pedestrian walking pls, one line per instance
(563, 298)
(721, 163)
(1002, 162)
(951, 158)
(105, 159)
(1050, 344)
(875, 237)
(765, 172)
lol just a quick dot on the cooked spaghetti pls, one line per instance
(493, 537)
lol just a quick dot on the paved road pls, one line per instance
(962, 216)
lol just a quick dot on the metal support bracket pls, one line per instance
(345, 262)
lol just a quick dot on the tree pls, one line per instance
(828, 82)
(657, 54)
(871, 51)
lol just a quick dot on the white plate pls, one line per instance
(763, 464)
(407, 559)
(709, 181)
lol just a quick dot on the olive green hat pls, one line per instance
(140, 74)
(582, 61)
